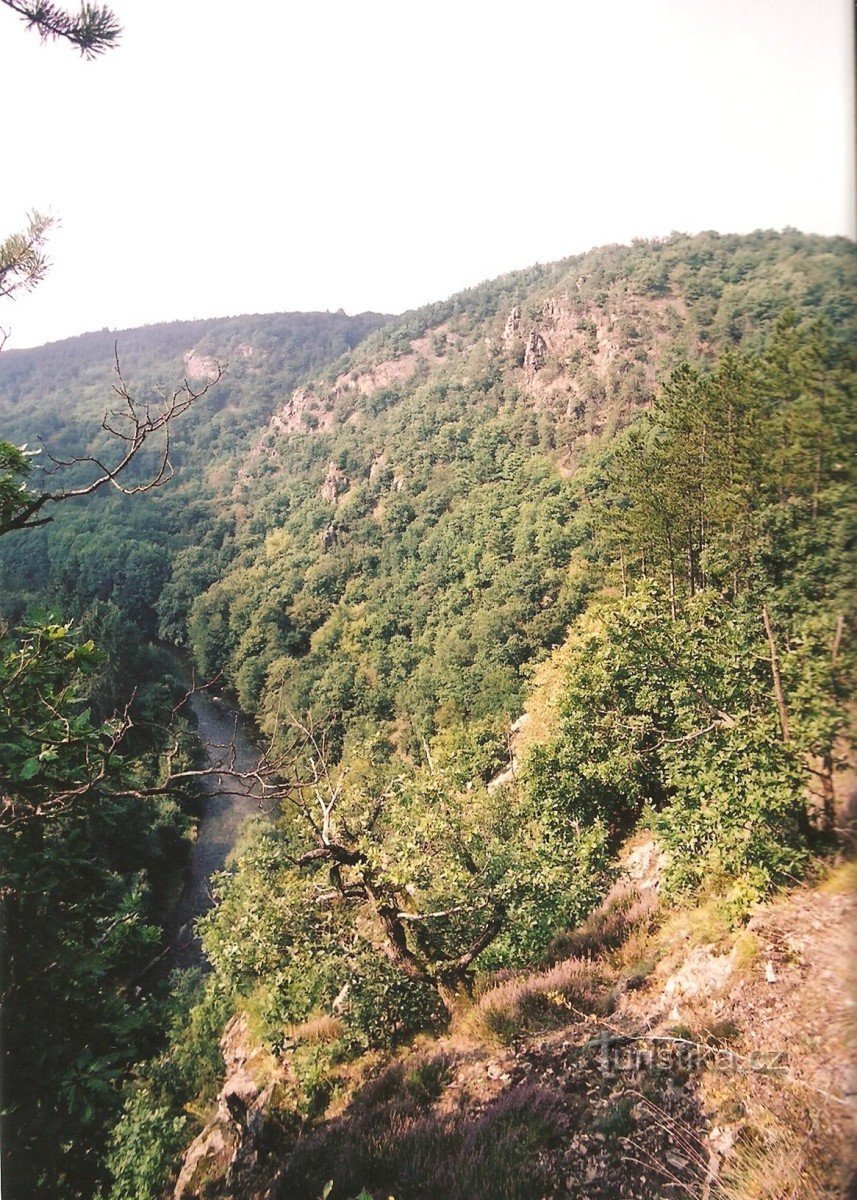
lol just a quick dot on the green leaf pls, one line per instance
(29, 769)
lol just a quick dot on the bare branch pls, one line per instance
(446, 912)
(690, 737)
(132, 428)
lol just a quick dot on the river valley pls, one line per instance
(226, 805)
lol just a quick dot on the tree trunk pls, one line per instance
(775, 672)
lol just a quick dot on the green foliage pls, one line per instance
(384, 1006)
(740, 474)
(155, 1127)
(729, 505)
(79, 910)
(14, 468)
(147, 1144)
(22, 256)
(680, 715)
(52, 751)
(313, 1068)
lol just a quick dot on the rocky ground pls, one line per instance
(671, 1056)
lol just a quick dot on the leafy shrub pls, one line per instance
(385, 1007)
(314, 1068)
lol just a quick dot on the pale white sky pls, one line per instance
(259, 156)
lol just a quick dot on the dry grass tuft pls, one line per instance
(315, 1032)
(841, 880)
(787, 1147)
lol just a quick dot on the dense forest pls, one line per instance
(613, 494)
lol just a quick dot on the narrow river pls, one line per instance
(226, 805)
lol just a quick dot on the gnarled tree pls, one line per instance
(401, 862)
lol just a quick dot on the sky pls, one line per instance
(258, 157)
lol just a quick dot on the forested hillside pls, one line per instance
(614, 494)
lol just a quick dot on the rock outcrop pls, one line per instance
(335, 483)
(535, 352)
(513, 322)
(201, 366)
(224, 1160)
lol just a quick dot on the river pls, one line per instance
(222, 816)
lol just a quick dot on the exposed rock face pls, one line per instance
(535, 352)
(512, 325)
(511, 772)
(644, 865)
(201, 366)
(317, 408)
(551, 310)
(335, 483)
(703, 973)
(301, 412)
(222, 1160)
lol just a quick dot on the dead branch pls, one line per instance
(683, 741)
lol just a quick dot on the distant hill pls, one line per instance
(353, 471)
(55, 391)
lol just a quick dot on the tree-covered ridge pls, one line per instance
(413, 534)
(59, 392)
(53, 400)
(701, 689)
(402, 421)
(628, 473)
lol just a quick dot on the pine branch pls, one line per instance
(92, 30)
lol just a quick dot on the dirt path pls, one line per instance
(219, 826)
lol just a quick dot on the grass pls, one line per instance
(607, 927)
(785, 1150)
(400, 1148)
(426, 1079)
(746, 953)
(704, 925)
(316, 1031)
(841, 880)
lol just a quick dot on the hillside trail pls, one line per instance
(222, 817)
